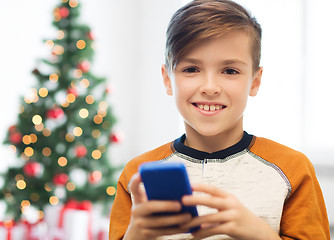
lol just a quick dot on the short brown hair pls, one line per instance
(202, 20)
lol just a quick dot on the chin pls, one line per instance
(209, 132)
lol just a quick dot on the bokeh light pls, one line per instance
(43, 92)
(84, 83)
(62, 161)
(46, 132)
(83, 113)
(69, 137)
(96, 154)
(70, 186)
(28, 151)
(70, 98)
(37, 119)
(81, 44)
(58, 50)
(90, 99)
(39, 127)
(111, 190)
(60, 34)
(33, 138)
(77, 131)
(98, 119)
(53, 77)
(96, 133)
(77, 73)
(49, 44)
(53, 200)
(73, 3)
(21, 184)
(26, 139)
(46, 151)
(34, 197)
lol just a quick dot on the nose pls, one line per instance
(210, 85)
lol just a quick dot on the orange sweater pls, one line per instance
(275, 182)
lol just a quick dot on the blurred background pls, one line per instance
(293, 107)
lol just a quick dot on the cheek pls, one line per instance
(183, 88)
(238, 94)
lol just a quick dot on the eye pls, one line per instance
(230, 71)
(190, 70)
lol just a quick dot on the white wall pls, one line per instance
(146, 114)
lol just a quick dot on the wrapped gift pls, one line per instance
(102, 235)
(51, 218)
(35, 231)
(71, 221)
(103, 231)
(9, 230)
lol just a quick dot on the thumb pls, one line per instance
(137, 190)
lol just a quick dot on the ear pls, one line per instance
(256, 82)
(167, 80)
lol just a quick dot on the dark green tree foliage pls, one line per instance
(64, 126)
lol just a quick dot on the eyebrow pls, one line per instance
(225, 62)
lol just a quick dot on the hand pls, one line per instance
(232, 218)
(143, 224)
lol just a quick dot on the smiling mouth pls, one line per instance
(209, 107)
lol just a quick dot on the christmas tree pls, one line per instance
(64, 126)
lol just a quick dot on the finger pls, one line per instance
(154, 207)
(157, 232)
(138, 194)
(210, 231)
(209, 220)
(209, 189)
(206, 200)
(166, 220)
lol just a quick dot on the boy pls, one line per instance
(245, 187)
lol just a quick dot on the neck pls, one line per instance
(214, 143)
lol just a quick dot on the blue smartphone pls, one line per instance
(167, 181)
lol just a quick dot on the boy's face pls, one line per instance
(211, 85)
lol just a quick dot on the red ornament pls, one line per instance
(90, 36)
(32, 169)
(60, 179)
(109, 90)
(94, 177)
(15, 138)
(116, 137)
(64, 12)
(84, 66)
(55, 113)
(72, 90)
(80, 151)
(12, 129)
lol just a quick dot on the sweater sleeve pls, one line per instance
(304, 214)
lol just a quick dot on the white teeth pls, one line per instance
(207, 107)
